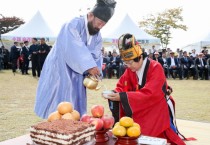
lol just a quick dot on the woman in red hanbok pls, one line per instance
(141, 93)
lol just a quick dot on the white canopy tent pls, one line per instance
(198, 46)
(36, 27)
(127, 25)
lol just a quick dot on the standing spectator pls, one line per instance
(179, 52)
(43, 51)
(193, 54)
(25, 53)
(6, 58)
(168, 50)
(20, 58)
(1, 57)
(75, 54)
(15, 53)
(153, 50)
(33, 51)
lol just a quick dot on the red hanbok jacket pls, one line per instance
(147, 105)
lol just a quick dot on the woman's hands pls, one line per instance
(113, 97)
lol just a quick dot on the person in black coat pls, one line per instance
(187, 64)
(25, 54)
(33, 51)
(6, 58)
(15, 53)
(43, 52)
(1, 57)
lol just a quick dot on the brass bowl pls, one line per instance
(125, 140)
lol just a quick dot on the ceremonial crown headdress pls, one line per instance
(129, 47)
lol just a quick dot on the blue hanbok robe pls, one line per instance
(63, 73)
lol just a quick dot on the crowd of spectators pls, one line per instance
(112, 64)
(179, 64)
(21, 53)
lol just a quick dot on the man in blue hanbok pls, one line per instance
(76, 52)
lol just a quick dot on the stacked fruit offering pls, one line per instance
(64, 111)
(126, 127)
(101, 121)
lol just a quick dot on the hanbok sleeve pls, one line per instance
(152, 93)
(75, 53)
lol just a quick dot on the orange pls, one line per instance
(119, 130)
(75, 114)
(65, 107)
(68, 116)
(126, 121)
(133, 131)
(136, 125)
(54, 116)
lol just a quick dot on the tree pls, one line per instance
(9, 23)
(161, 24)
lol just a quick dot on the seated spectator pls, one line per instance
(187, 64)
(151, 56)
(122, 68)
(206, 55)
(163, 62)
(114, 64)
(173, 65)
(156, 56)
(202, 66)
(106, 60)
(192, 68)
(208, 65)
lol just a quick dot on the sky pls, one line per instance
(56, 12)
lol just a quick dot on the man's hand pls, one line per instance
(94, 71)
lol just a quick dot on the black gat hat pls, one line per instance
(104, 9)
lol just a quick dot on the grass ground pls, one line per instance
(17, 95)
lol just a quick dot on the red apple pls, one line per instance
(108, 121)
(97, 110)
(98, 123)
(85, 118)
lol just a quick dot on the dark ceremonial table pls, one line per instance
(26, 140)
